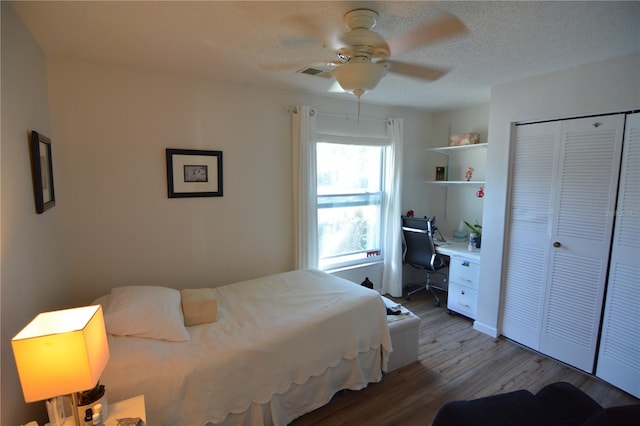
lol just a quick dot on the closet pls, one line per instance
(561, 261)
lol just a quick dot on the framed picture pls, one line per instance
(441, 173)
(194, 173)
(42, 171)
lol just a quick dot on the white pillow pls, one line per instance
(146, 311)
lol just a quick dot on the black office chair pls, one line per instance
(419, 251)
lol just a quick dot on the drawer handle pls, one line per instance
(465, 263)
(464, 304)
(465, 279)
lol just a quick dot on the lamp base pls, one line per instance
(55, 410)
(74, 408)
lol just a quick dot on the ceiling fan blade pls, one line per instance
(286, 66)
(323, 31)
(416, 71)
(443, 28)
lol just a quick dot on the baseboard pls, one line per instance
(483, 328)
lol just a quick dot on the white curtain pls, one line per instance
(392, 243)
(305, 216)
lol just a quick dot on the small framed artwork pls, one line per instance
(42, 172)
(441, 173)
(194, 173)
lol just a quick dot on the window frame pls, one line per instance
(361, 257)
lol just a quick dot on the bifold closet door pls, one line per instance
(619, 352)
(535, 150)
(563, 181)
(586, 190)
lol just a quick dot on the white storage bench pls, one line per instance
(404, 330)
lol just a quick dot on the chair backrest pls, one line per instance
(419, 249)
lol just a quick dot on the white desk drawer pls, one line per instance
(464, 271)
(462, 300)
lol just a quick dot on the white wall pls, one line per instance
(599, 87)
(33, 274)
(120, 227)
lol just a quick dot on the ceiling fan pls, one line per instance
(363, 54)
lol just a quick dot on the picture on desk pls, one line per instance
(441, 173)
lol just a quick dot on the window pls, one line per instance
(349, 200)
(311, 128)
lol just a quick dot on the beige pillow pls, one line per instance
(198, 306)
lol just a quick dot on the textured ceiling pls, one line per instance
(246, 42)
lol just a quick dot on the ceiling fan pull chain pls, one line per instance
(358, 93)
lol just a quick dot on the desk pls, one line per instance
(457, 248)
(464, 274)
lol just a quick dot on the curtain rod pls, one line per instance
(353, 117)
(345, 116)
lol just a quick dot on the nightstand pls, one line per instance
(132, 407)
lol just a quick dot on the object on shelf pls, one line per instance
(464, 139)
(441, 173)
(460, 235)
(475, 237)
(480, 192)
(469, 173)
(130, 421)
(410, 213)
(476, 229)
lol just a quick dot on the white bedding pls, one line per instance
(272, 334)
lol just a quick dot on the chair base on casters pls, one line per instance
(425, 287)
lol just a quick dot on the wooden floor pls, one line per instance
(455, 362)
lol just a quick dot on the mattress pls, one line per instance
(282, 345)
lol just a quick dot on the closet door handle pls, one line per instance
(557, 244)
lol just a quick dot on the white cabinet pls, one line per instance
(564, 179)
(464, 274)
(462, 296)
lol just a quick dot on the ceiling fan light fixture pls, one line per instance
(361, 76)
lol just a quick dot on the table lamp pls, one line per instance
(61, 352)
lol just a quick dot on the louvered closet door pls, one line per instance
(535, 151)
(585, 192)
(619, 353)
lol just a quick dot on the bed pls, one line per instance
(279, 347)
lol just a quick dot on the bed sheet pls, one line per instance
(272, 333)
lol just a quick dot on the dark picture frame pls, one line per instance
(42, 172)
(194, 173)
(441, 173)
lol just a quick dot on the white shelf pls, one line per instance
(456, 182)
(446, 149)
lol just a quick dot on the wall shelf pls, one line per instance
(446, 149)
(451, 151)
(455, 182)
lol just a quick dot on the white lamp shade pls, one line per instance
(360, 75)
(61, 352)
